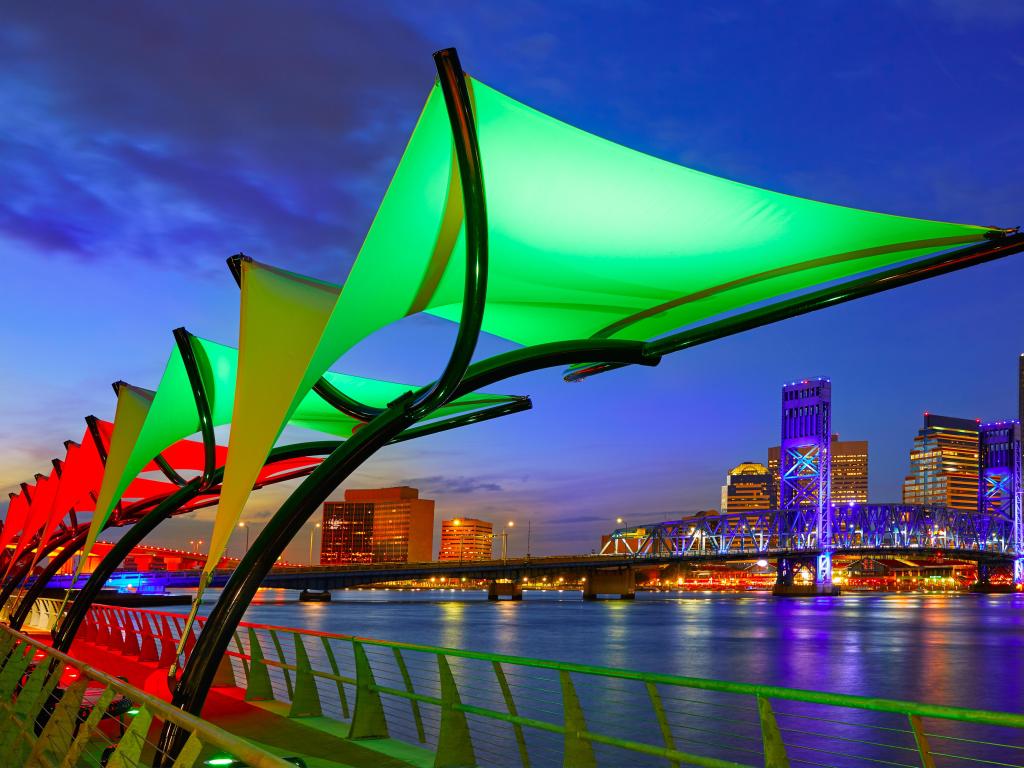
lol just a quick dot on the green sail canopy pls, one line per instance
(588, 238)
(148, 422)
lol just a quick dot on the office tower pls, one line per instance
(849, 474)
(385, 525)
(747, 487)
(944, 464)
(464, 539)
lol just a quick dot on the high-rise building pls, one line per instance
(944, 464)
(1020, 389)
(747, 487)
(466, 538)
(385, 525)
(849, 476)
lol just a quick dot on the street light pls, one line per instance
(504, 539)
(458, 523)
(621, 522)
(311, 532)
(246, 526)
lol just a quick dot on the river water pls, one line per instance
(957, 649)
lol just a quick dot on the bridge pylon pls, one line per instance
(805, 519)
(1000, 491)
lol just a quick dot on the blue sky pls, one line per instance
(141, 144)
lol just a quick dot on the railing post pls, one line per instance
(414, 705)
(147, 649)
(368, 721)
(82, 739)
(128, 752)
(258, 688)
(663, 724)
(342, 699)
(305, 697)
(510, 705)
(579, 752)
(280, 657)
(168, 645)
(131, 639)
(921, 738)
(454, 742)
(774, 748)
(225, 676)
(58, 733)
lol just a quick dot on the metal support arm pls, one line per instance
(64, 633)
(56, 563)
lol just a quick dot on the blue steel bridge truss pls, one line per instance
(898, 527)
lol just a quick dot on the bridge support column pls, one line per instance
(822, 585)
(984, 586)
(1018, 570)
(621, 582)
(499, 589)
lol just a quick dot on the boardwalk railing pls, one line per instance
(56, 711)
(462, 708)
(42, 616)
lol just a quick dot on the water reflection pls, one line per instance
(966, 650)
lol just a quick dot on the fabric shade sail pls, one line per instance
(35, 518)
(587, 239)
(151, 423)
(282, 354)
(14, 522)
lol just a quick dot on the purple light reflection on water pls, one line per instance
(964, 650)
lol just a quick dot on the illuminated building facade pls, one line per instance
(466, 538)
(849, 476)
(944, 464)
(386, 525)
(747, 487)
(1020, 389)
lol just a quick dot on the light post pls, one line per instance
(529, 530)
(458, 524)
(246, 526)
(504, 539)
(312, 531)
(622, 523)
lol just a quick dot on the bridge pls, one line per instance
(893, 530)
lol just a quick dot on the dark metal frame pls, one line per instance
(74, 543)
(396, 422)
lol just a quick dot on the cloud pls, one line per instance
(160, 134)
(440, 484)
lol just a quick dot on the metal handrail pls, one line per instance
(208, 734)
(296, 674)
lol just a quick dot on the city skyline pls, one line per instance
(583, 454)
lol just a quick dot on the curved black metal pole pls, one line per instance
(190, 691)
(333, 396)
(467, 152)
(338, 400)
(392, 426)
(64, 633)
(195, 379)
(56, 563)
(997, 246)
(19, 576)
(169, 472)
